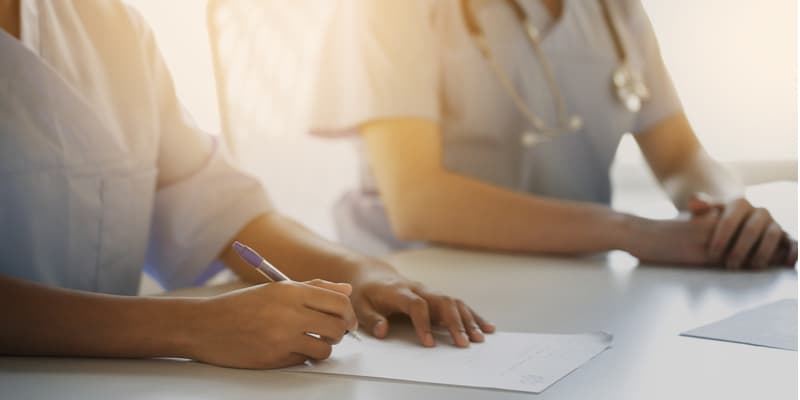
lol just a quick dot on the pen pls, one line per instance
(262, 265)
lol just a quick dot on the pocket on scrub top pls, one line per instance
(77, 229)
(50, 221)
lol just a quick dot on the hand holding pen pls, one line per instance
(268, 270)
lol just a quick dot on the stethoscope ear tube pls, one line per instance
(630, 89)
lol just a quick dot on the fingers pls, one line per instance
(313, 348)
(786, 253)
(372, 320)
(329, 328)
(423, 308)
(343, 288)
(792, 259)
(404, 300)
(731, 219)
(461, 321)
(473, 331)
(752, 230)
(289, 360)
(486, 326)
(417, 309)
(319, 298)
(770, 241)
(450, 318)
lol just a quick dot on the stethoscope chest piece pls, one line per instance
(628, 85)
(630, 88)
(529, 139)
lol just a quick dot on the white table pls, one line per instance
(644, 307)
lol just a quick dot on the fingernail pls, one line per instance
(428, 341)
(378, 328)
(464, 339)
(478, 335)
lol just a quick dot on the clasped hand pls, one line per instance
(744, 236)
(731, 234)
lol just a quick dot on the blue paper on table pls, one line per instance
(771, 325)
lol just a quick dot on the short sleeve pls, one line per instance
(664, 101)
(202, 199)
(196, 216)
(378, 60)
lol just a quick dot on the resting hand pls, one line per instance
(268, 326)
(378, 293)
(745, 236)
(681, 241)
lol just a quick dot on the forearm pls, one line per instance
(452, 209)
(298, 252)
(701, 174)
(39, 320)
(681, 164)
(426, 202)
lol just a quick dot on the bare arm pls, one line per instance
(745, 236)
(39, 320)
(9, 17)
(258, 327)
(427, 202)
(296, 251)
(378, 290)
(682, 166)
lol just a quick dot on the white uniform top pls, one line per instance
(415, 58)
(94, 146)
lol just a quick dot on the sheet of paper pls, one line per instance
(770, 325)
(526, 362)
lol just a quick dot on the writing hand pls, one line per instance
(268, 325)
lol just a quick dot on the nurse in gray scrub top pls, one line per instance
(492, 124)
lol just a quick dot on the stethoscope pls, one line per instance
(628, 85)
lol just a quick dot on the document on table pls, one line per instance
(771, 325)
(527, 362)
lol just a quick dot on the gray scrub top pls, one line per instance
(387, 59)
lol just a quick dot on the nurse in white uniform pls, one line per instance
(102, 175)
(493, 124)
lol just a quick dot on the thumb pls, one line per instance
(343, 288)
(372, 320)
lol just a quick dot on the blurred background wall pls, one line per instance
(734, 63)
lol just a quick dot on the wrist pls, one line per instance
(631, 232)
(359, 267)
(182, 326)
